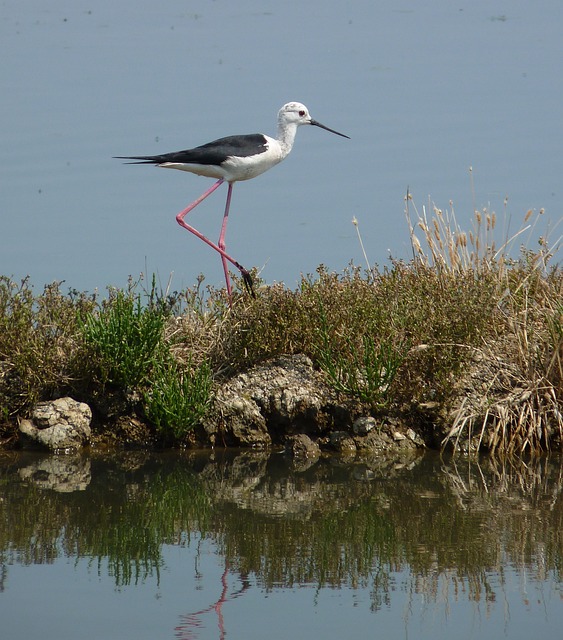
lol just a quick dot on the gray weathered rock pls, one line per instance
(57, 425)
(283, 396)
(236, 421)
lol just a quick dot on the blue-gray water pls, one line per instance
(249, 546)
(424, 90)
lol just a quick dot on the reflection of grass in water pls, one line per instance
(163, 509)
(445, 527)
(122, 519)
(445, 531)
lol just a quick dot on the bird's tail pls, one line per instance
(141, 159)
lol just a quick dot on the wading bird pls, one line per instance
(233, 159)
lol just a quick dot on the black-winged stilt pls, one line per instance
(233, 159)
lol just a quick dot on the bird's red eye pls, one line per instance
(301, 113)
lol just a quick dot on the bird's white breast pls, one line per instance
(238, 168)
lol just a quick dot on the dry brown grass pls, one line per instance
(517, 405)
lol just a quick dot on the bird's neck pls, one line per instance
(286, 137)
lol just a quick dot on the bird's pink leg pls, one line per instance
(221, 243)
(224, 256)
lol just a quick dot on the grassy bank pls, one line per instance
(462, 336)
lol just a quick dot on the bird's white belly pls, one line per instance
(207, 170)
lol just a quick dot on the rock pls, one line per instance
(236, 421)
(247, 425)
(414, 437)
(283, 396)
(363, 425)
(57, 425)
(302, 447)
(387, 439)
(342, 442)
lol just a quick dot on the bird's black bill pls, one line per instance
(318, 124)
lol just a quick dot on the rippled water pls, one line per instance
(249, 545)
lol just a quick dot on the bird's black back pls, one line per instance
(212, 153)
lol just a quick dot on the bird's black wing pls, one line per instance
(215, 152)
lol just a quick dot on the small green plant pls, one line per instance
(364, 372)
(126, 338)
(176, 400)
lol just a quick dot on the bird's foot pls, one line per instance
(247, 279)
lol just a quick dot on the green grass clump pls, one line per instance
(53, 344)
(398, 336)
(129, 350)
(175, 400)
(365, 374)
(126, 339)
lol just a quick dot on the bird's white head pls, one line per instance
(294, 114)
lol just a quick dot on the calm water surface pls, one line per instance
(248, 545)
(424, 89)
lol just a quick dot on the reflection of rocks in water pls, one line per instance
(281, 485)
(238, 473)
(303, 451)
(59, 473)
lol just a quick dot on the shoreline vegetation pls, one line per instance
(463, 343)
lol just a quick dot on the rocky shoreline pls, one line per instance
(283, 402)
